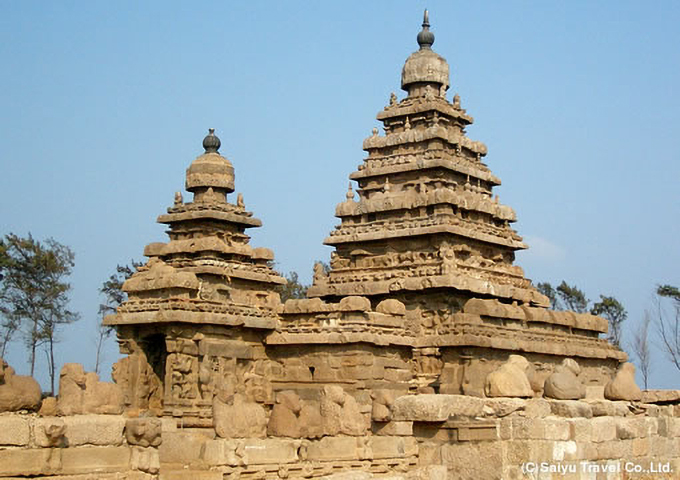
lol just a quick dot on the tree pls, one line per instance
(668, 324)
(34, 293)
(293, 289)
(640, 347)
(114, 296)
(611, 309)
(546, 289)
(572, 298)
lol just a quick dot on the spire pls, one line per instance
(424, 66)
(426, 37)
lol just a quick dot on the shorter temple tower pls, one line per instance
(197, 310)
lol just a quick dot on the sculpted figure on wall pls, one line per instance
(17, 392)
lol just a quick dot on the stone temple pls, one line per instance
(422, 350)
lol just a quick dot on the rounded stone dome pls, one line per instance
(425, 66)
(210, 169)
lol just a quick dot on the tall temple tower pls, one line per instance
(426, 226)
(201, 304)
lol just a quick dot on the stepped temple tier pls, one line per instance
(422, 349)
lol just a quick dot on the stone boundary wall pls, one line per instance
(422, 437)
(78, 447)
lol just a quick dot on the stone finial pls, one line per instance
(350, 193)
(425, 36)
(179, 199)
(211, 143)
(393, 98)
(375, 131)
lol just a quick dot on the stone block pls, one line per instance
(270, 451)
(528, 428)
(478, 433)
(93, 460)
(186, 474)
(640, 447)
(182, 447)
(580, 430)
(429, 453)
(392, 447)
(537, 408)
(348, 476)
(393, 428)
(564, 451)
(557, 429)
(505, 428)
(226, 348)
(145, 459)
(14, 430)
(571, 409)
(606, 408)
(222, 452)
(501, 407)
(435, 408)
(431, 472)
(595, 392)
(629, 428)
(93, 430)
(30, 462)
(332, 449)
(604, 429)
(473, 460)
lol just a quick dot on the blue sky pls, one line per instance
(105, 104)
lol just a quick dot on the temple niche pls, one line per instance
(422, 295)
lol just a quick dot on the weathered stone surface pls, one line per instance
(239, 417)
(28, 462)
(182, 447)
(563, 383)
(17, 392)
(284, 420)
(501, 407)
(608, 408)
(145, 459)
(435, 407)
(50, 432)
(80, 430)
(660, 396)
(571, 408)
(144, 432)
(270, 451)
(14, 430)
(86, 460)
(331, 449)
(340, 413)
(391, 307)
(355, 303)
(393, 428)
(382, 405)
(623, 386)
(48, 408)
(510, 380)
(537, 408)
(81, 393)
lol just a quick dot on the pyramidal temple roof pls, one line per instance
(207, 272)
(426, 217)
